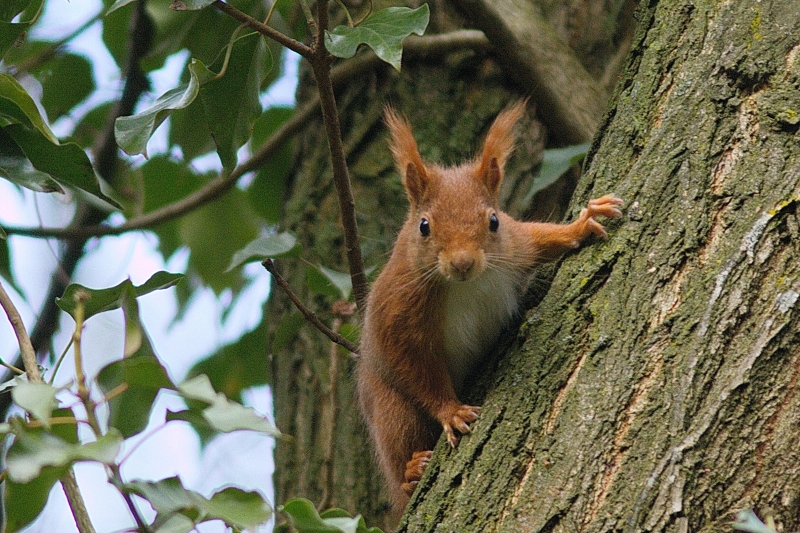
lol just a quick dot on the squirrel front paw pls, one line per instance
(605, 206)
(457, 418)
(414, 470)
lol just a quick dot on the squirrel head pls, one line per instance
(454, 223)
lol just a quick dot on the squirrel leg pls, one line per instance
(551, 240)
(399, 429)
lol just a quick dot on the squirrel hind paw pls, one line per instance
(415, 468)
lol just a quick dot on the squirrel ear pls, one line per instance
(498, 146)
(406, 156)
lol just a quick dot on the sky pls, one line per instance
(241, 458)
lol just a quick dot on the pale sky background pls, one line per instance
(242, 458)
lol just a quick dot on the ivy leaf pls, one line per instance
(239, 365)
(39, 399)
(239, 509)
(34, 450)
(66, 163)
(100, 300)
(17, 106)
(328, 279)
(66, 82)
(189, 5)
(383, 31)
(747, 520)
(230, 103)
(118, 4)
(133, 132)
(17, 168)
(304, 517)
(221, 413)
(280, 245)
(24, 501)
(555, 162)
(11, 32)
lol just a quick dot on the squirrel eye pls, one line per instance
(424, 227)
(494, 223)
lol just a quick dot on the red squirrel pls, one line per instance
(452, 283)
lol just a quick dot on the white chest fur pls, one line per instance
(476, 311)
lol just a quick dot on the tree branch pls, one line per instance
(306, 312)
(263, 29)
(320, 64)
(570, 100)
(24, 341)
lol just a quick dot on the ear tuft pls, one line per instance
(406, 156)
(498, 146)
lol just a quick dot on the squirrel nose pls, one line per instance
(462, 264)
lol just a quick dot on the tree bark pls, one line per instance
(654, 387)
(450, 99)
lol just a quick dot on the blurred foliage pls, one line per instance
(215, 120)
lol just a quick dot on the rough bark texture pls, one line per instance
(450, 102)
(653, 389)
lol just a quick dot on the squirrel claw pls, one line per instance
(459, 420)
(604, 206)
(415, 467)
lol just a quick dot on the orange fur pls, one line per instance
(443, 298)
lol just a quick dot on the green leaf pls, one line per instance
(17, 168)
(304, 517)
(280, 245)
(24, 501)
(383, 31)
(239, 365)
(223, 414)
(118, 4)
(555, 163)
(166, 181)
(66, 82)
(67, 163)
(144, 377)
(239, 509)
(39, 399)
(231, 103)
(329, 282)
(100, 300)
(16, 106)
(133, 132)
(32, 451)
(748, 521)
(11, 32)
(212, 223)
(265, 192)
(190, 5)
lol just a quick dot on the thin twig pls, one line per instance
(306, 312)
(321, 66)
(263, 29)
(89, 406)
(76, 505)
(24, 341)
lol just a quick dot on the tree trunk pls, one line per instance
(653, 388)
(450, 99)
